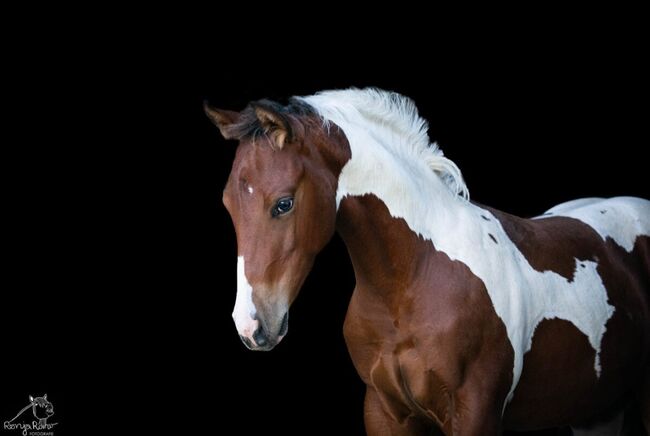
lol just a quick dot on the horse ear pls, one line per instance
(273, 122)
(45, 397)
(31, 399)
(222, 118)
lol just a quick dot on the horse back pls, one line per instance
(623, 223)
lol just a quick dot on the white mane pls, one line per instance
(393, 115)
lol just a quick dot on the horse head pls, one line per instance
(41, 407)
(281, 196)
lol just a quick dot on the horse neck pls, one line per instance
(389, 236)
(394, 210)
(380, 247)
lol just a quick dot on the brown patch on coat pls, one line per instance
(420, 328)
(553, 243)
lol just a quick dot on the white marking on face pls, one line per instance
(522, 296)
(250, 189)
(244, 312)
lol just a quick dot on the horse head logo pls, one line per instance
(42, 409)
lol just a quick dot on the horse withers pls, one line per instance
(464, 320)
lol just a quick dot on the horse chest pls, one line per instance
(410, 372)
(416, 358)
(407, 386)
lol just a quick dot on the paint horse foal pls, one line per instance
(464, 319)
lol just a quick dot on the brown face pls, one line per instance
(281, 198)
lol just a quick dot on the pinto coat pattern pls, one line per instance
(464, 319)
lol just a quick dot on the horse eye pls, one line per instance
(283, 206)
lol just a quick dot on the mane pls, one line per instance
(396, 114)
(249, 127)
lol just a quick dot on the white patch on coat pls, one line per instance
(386, 163)
(619, 218)
(250, 189)
(244, 312)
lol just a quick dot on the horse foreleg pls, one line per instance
(380, 423)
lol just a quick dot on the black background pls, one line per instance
(120, 266)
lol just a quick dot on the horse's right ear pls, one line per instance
(222, 118)
(31, 399)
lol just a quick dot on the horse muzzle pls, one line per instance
(261, 340)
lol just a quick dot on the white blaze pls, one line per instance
(244, 312)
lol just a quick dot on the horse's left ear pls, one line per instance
(273, 121)
(31, 399)
(45, 397)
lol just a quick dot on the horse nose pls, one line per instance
(246, 341)
(260, 337)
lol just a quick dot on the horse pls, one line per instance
(464, 320)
